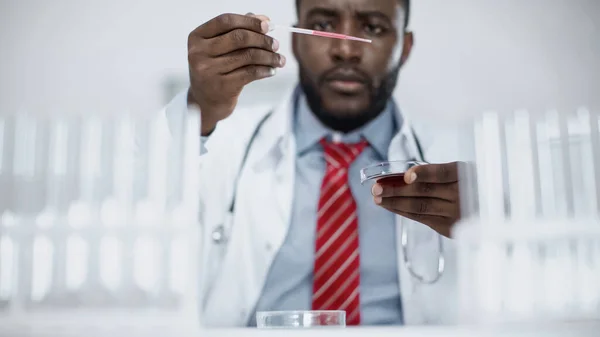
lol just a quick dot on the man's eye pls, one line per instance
(374, 29)
(324, 26)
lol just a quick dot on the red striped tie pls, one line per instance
(336, 270)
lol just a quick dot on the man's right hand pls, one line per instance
(224, 55)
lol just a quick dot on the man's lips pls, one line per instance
(346, 86)
(346, 83)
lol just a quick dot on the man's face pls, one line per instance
(348, 83)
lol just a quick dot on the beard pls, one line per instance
(343, 121)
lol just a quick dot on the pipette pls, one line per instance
(320, 33)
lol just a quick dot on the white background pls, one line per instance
(470, 55)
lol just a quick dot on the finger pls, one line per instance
(258, 16)
(250, 56)
(240, 39)
(251, 73)
(432, 173)
(225, 23)
(425, 206)
(448, 192)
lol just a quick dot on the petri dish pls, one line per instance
(388, 170)
(303, 319)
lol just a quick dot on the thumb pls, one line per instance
(410, 176)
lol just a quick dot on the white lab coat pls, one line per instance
(233, 271)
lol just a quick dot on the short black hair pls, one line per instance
(405, 4)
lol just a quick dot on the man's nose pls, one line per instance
(346, 50)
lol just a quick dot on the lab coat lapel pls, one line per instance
(278, 160)
(404, 147)
(267, 192)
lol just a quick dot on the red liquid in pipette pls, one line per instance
(337, 36)
(332, 35)
(323, 34)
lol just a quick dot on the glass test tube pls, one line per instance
(593, 122)
(521, 163)
(151, 209)
(1, 148)
(8, 218)
(489, 165)
(123, 182)
(158, 157)
(191, 160)
(24, 173)
(49, 247)
(123, 168)
(190, 203)
(6, 249)
(91, 147)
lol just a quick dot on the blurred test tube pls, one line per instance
(6, 259)
(90, 165)
(590, 120)
(489, 167)
(57, 162)
(123, 183)
(91, 147)
(156, 202)
(24, 174)
(1, 147)
(151, 209)
(55, 182)
(191, 198)
(123, 169)
(567, 172)
(24, 160)
(5, 154)
(522, 166)
(191, 161)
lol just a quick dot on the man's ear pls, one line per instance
(409, 41)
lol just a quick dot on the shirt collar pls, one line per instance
(379, 132)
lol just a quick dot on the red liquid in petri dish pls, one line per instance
(392, 179)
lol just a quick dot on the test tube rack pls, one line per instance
(98, 212)
(529, 244)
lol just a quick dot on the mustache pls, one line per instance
(345, 74)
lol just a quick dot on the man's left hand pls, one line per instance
(429, 195)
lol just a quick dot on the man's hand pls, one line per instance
(429, 194)
(225, 54)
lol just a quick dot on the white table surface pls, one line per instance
(154, 325)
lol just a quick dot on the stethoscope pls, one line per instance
(219, 236)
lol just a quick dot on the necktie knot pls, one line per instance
(341, 155)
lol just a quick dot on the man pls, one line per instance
(286, 223)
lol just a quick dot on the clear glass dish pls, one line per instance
(301, 319)
(387, 169)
